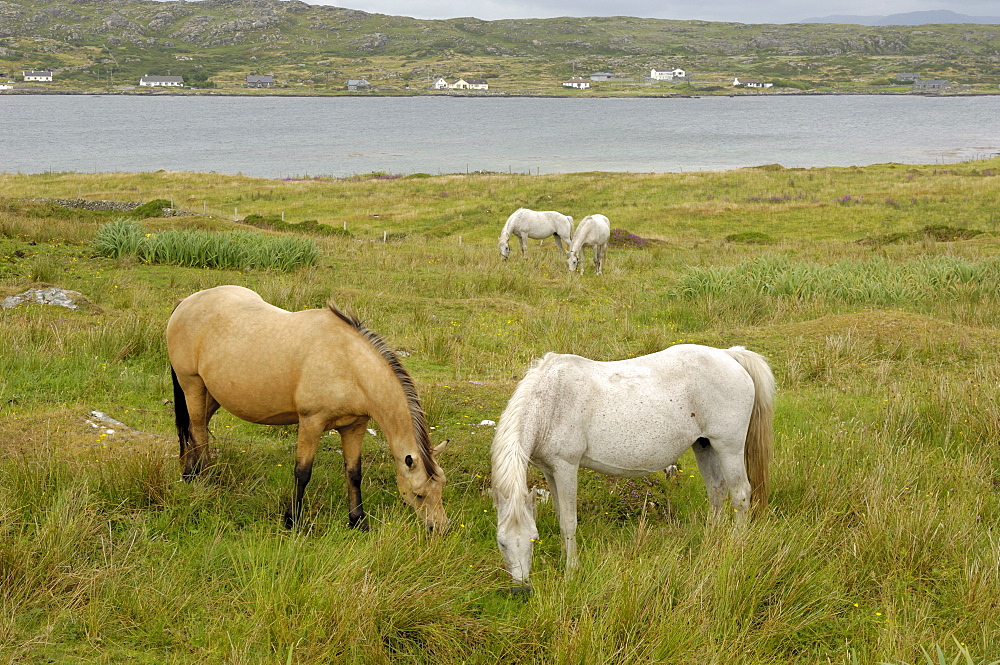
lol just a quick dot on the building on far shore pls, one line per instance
(577, 82)
(667, 74)
(162, 81)
(356, 85)
(262, 81)
(42, 75)
(750, 83)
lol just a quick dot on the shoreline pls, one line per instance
(14, 92)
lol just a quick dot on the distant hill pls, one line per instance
(939, 16)
(105, 44)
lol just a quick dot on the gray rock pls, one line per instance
(49, 296)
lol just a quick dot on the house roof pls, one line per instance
(577, 79)
(162, 79)
(266, 78)
(358, 82)
(44, 72)
(476, 81)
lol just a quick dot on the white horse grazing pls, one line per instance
(536, 224)
(630, 418)
(594, 231)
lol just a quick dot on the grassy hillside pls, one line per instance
(872, 291)
(315, 49)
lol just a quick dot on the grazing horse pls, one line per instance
(319, 368)
(525, 224)
(630, 418)
(594, 231)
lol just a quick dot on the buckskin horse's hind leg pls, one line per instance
(201, 406)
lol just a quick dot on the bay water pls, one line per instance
(288, 137)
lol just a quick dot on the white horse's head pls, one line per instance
(504, 248)
(572, 260)
(516, 536)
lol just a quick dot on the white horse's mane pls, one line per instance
(510, 454)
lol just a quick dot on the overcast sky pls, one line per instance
(742, 11)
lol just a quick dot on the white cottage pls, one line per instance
(44, 75)
(666, 74)
(577, 83)
(751, 83)
(439, 84)
(162, 81)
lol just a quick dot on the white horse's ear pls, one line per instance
(439, 447)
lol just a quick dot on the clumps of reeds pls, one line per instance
(880, 282)
(205, 249)
(309, 226)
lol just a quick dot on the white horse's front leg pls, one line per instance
(524, 243)
(564, 478)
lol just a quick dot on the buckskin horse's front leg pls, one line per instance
(305, 455)
(350, 441)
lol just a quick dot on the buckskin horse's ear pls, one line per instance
(439, 447)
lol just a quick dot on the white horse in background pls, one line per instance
(525, 224)
(594, 231)
(630, 418)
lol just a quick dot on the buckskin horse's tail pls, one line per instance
(760, 435)
(181, 416)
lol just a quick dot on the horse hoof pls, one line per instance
(359, 524)
(521, 591)
(289, 520)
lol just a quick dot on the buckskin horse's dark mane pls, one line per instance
(417, 415)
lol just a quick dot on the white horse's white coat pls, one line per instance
(594, 231)
(630, 418)
(524, 224)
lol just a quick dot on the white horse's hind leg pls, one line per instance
(711, 471)
(735, 473)
(559, 243)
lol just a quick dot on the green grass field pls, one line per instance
(872, 291)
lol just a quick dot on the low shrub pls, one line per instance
(750, 238)
(152, 209)
(936, 232)
(274, 223)
(622, 238)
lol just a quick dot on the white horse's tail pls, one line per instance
(510, 453)
(760, 435)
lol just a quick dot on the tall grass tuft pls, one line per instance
(204, 249)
